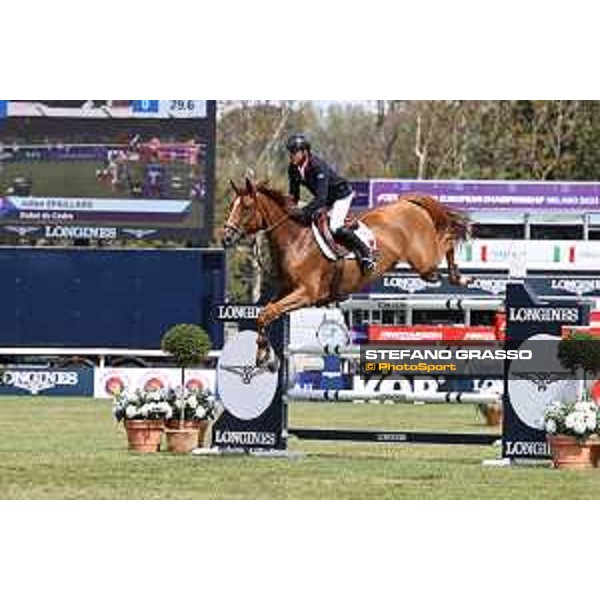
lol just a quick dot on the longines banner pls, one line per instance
(530, 389)
(30, 381)
(543, 283)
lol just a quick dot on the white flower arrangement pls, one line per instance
(579, 419)
(195, 405)
(151, 405)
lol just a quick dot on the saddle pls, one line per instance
(332, 249)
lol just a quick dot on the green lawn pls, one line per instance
(63, 448)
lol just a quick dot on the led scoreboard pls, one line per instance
(107, 169)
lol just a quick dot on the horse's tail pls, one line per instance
(444, 219)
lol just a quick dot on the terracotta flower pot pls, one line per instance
(144, 435)
(569, 453)
(187, 438)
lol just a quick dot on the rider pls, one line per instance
(329, 190)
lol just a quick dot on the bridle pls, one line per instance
(241, 234)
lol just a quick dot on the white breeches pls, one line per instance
(338, 212)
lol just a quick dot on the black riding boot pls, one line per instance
(349, 239)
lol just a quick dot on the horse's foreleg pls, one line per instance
(454, 276)
(297, 299)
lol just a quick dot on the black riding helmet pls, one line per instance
(297, 142)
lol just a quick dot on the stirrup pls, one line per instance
(367, 264)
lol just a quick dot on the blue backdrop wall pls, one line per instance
(109, 298)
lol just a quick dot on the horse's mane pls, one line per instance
(283, 200)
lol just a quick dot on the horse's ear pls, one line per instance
(234, 187)
(250, 189)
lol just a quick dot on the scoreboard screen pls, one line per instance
(107, 170)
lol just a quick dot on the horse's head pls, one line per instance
(255, 208)
(245, 217)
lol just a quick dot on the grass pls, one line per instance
(71, 449)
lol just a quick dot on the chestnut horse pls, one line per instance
(415, 229)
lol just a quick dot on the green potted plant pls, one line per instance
(572, 427)
(188, 345)
(143, 415)
(579, 352)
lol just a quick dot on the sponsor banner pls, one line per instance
(530, 389)
(30, 381)
(495, 195)
(543, 283)
(426, 385)
(528, 254)
(361, 191)
(406, 333)
(111, 381)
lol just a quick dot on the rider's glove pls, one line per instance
(299, 215)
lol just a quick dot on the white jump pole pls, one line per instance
(393, 397)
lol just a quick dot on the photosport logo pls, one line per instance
(245, 389)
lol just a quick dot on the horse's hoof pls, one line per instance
(464, 280)
(261, 362)
(431, 277)
(273, 365)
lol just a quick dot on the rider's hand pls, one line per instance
(298, 214)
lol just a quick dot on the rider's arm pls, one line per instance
(294, 181)
(322, 188)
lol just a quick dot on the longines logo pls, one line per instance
(576, 286)
(533, 387)
(246, 438)
(526, 448)
(21, 230)
(88, 233)
(542, 380)
(246, 372)
(237, 312)
(245, 389)
(541, 314)
(139, 234)
(408, 284)
(493, 286)
(37, 381)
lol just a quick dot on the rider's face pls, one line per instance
(298, 158)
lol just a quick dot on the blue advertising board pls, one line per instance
(106, 298)
(33, 381)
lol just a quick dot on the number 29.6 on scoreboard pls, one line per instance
(178, 109)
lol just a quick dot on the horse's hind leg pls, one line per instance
(426, 264)
(454, 276)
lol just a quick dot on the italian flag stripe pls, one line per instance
(558, 255)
